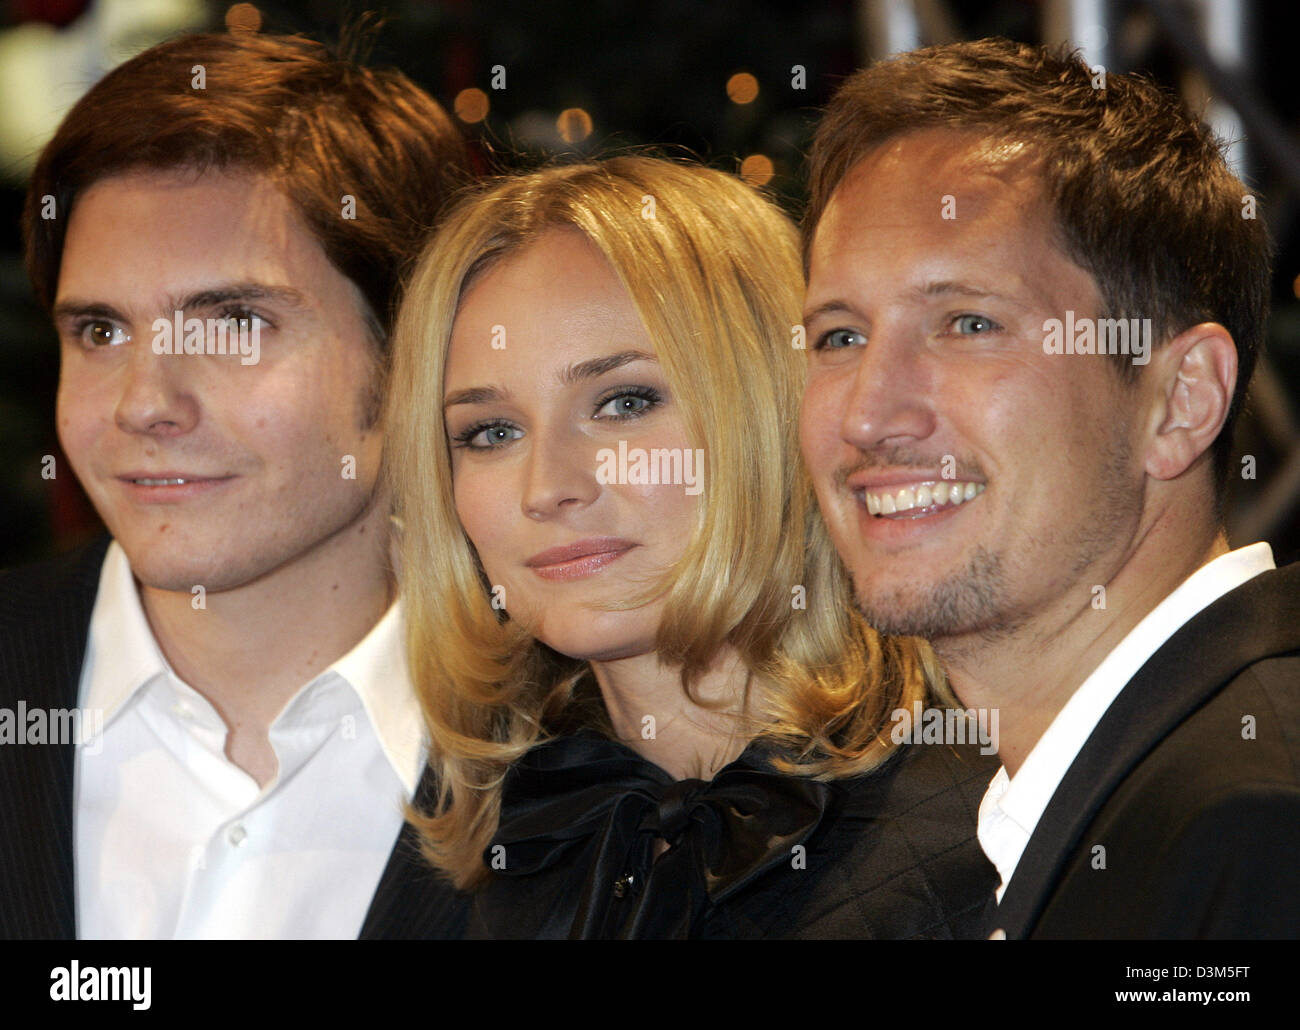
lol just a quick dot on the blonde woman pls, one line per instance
(653, 709)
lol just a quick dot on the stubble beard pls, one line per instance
(969, 602)
(975, 603)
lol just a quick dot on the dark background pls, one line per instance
(646, 74)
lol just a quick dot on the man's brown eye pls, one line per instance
(104, 334)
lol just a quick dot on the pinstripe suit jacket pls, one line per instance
(44, 623)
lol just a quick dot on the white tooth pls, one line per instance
(940, 493)
(955, 495)
(970, 491)
(906, 499)
(873, 504)
(924, 497)
(887, 504)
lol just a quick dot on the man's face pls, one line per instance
(969, 480)
(209, 470)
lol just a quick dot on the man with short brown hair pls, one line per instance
(219, 228)
(1035, 296)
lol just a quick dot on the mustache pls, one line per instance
(899, 458)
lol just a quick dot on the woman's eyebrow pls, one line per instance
(575, 373)
(474, 395)
(594, 367)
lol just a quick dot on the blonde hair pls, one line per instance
(713, 270)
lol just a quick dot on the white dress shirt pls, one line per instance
(1012, 806)
(173, 840)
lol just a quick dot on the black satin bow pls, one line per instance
(594, 805)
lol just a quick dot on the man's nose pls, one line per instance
(157, 395)
(890, 400)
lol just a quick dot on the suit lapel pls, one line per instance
(44, 622)
(412, 900)
(1258, 619)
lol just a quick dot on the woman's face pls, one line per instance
(551, 378)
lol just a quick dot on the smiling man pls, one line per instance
(238, 638)
(1050, 515)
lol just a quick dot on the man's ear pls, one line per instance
(1191, 379)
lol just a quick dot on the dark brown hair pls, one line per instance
(321, 125)
(1142, 197)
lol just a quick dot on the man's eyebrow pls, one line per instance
(954, 288)
(575, 373)
(832, 307)
(926, 291)
(75, 308)
(209, 297)
(227, 293)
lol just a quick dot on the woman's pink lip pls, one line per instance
(578, 549)
(580, 566)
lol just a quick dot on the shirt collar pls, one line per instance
(122, 657)
(376, 669)
(1012, 806)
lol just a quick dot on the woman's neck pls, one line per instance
(651, 713)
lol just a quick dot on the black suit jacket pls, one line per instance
(1180, 818)
(44, 624)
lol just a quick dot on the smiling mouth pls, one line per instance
(913, 502)
(173, 489)
(171, 479)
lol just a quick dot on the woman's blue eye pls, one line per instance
(628, 403)
(486, 438)
(838, 339)
(625, 404)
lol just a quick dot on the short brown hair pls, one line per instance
(1142, 197)
(323, 126)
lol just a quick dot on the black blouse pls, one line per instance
(752, 853)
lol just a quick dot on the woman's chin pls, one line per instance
(597, 647)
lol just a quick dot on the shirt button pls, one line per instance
(182, 710)
(623, 884)
(237, 835)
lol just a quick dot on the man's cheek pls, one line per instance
(822, 412)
